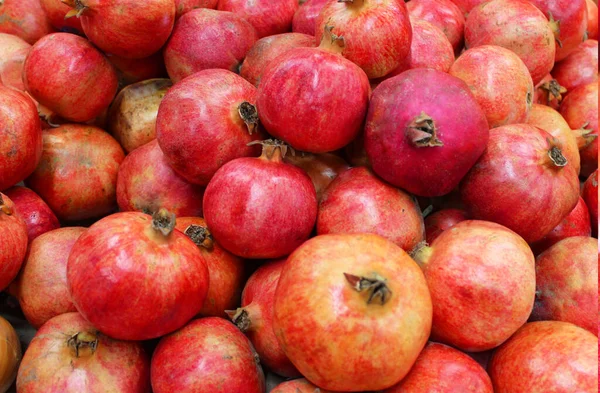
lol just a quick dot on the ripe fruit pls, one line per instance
(467, 5)
(424, 131)
(10, 355)
(443, 14)
(137, 70)
(13, 51)
(38, 216)
(592, 24)
(24, 18)
(579, 68)
(306, 16)
(298, 386)
(590, 196)
(184, 6)
(352, 286)
(14, 243)
(267, 17)
(549, 92)
(56, 12)
(442, 220)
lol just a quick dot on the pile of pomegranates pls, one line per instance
(299, 196)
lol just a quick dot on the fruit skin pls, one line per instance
(516, 25)
(146, 183)
(56, 11)
(77, 175)
(10, 353)
(441, 221)
(226, 271)
(51, 364)
(131, 251)
(131, 71)
(199, 126)
(207, 355)
(389, 42)
(318, 312)
(37, 214)
(358, 202)
(306, 15)
(443, 14)
(183, 6)
(24, 18)
(567, 283)
(268, 48)
(443, 369)
(14, 244)
(80, 70)
(546, 357)
(20, 137)
(481, 276)
(268, 18)
(542, 193)
(500, 82)
(592, 25)
(579, 68)
(467, 5)
(590, 196)
(298, 386)
(204, 39)
(13, 51)
(410, 158)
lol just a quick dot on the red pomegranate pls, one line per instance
(135, 278)
(590, 196)
(13, 51)
(300, 385)
(24, 18)
(350, 286)
(204, 39)
(545, 357)
(467, 5)
(77, 175)
(443, 14)
(268, 48)
(415, 131)
(83, 84)
(389, 32)
(549, 92)
(69, 355)
(131, 71)
(267, 17)
(42, 283)
(592, 24)
(579, 68)
(306, 15)
(255, 318)
(440, 368)
(522, 181)
(206, 121)
(442, 220)
(500, 82)
(122, 27)
(516, 25)
(14, 243)
(37, 214)
(208, 355)
(21, 135)
(250, 217)
(225, 270)
(56, 12)
(183, 6)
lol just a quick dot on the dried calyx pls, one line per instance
(83, 340)
(240, 318)
(375, 286)
(555, 27)
(553, 90)
(78, 8)
(249, 115)
(422, 132)
(163, 221)
(330, 41)
(557, 157)
(4, 207)
(584, 136)
(200, 235)
(273, 149)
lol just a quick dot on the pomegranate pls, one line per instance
(13, 51)
(416, 128)
(355, 152)
(268, 48)
(183, 6)
(545, 357)
(388, 43)
(77, 175)
(580, 67)
(10, 355)
(549, 92)
(335, 288)
(38, 216)
(83, 84)
(592, 24)
(131, 71)
(69, 355)
(267, 17)
(207, 355)
(440, 368)
(467, 5)
(443, 14)
(306, 15)
(590, 196)
(255, 318)
(442, 220)
(21, 135)
(206, 121)
(24, 18)
(500, 82)
(522, 181)
(298, 386)
(250, 217)
(14, 243)
(516, 25)
(226, 271)
(56, 11)
(204, 39)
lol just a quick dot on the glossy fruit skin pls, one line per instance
(72, 190)
(592, 25)
(441, 221)
(56, 11)
(443, 369)
(131, 71)
(329, 113)
(81, 69)
(268, 18)
(147, 183)
(204, 39)
(306, 15)
(268, 48)
(500, 82)
(516, 25)
(199, 127)
(20, 137)
(42, 283)
(24, 18)
(317, 311)
(386, 47)
(225, 270)
(298, 386)
(590, 196)
(184, 6)
(207, 355)
(13, 51)
(579, 68)
(359, 202)
(37, 214)
(546, 357)
(51, 365)
(396, 109)
(541, 193)
(123, 251)
(443, 14)
(14, 244)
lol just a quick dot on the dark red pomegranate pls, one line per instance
(183, 6)
(416, 128)
(267, 17)
(56, 12)
(592, 24)
(13, 51)
(306, 15)
(83, 83)
(549, 92)
(590, 196)
(24, 18)
(250, 217)
(579, 68)
(204, 39)
(37, 214)
(522, 181)
(137, 70)
(14, 243)
(442, 220)
(443, 14)
(207, 355)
